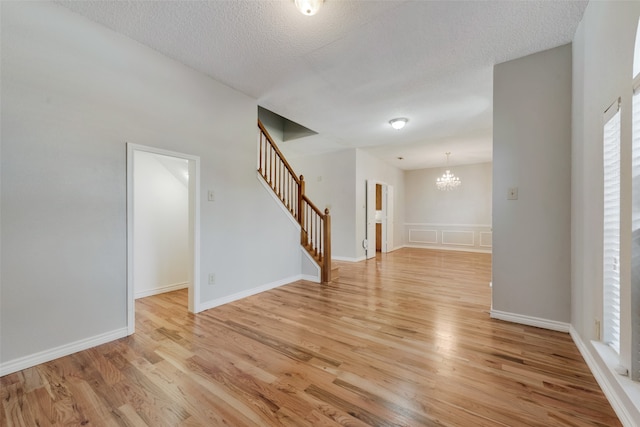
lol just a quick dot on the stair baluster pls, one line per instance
(315, 226)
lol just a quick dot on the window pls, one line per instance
(635, 224)
(635, 217)
(611, 227)
(636, 54)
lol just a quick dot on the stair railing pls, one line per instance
(315, 226)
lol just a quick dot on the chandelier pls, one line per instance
(448, 181)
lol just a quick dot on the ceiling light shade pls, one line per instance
(398, 123)
(308, 7)
(448, 181)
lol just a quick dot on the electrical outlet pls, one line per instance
(212, 278)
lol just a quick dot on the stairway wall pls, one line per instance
(73, 94)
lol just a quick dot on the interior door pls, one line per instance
(371, 219)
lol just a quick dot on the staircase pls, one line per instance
(315, 225)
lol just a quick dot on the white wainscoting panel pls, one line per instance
(458, 237)
(486, 239)
(423, 236)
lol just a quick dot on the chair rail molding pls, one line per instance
(457, 237)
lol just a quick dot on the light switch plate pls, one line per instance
(512, 193)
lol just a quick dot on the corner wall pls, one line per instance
(329, 183)
(338, 180)
(532, 151)
(73, 94)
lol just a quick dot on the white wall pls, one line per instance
(73, 94)
(329, 182)
(369, 167)
(603, 53)
(161, 225)
(459, 219)
(532, 151)
(338, 180)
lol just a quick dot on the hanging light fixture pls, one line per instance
(308, 7)
(448, 181)
(398, 123)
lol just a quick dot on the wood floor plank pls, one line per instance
(404, 339)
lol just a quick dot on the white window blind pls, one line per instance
(636, 55)
(635, 252)
(611, 228)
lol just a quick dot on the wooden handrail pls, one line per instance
(277, 150)
(315, 226)
(278, 173)
(311, 205)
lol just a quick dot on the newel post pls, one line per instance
(326, 260)
(303, 233)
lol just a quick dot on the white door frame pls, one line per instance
(194, 228)
(387, 218)
(370, 197)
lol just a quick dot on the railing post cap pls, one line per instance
(326, 211)
(301, 177)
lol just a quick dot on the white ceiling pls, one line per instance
(348, 70)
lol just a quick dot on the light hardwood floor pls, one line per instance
(403, 339)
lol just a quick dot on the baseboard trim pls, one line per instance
(249, 292)
(25, 362)
(530, 321)
(603, 378)
(448, 248)
(161, 290)
(310, 278)
(348, 259)
(444, 224)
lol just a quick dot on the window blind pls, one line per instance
(611, 228)
(636, 55)
(635, 252)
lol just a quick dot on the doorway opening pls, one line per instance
(162, 225)
(378, 217)
(379, 204)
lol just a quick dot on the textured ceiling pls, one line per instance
(348, 70)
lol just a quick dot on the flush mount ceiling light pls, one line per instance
(448, 181)
(308, 7)
(398, 123)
